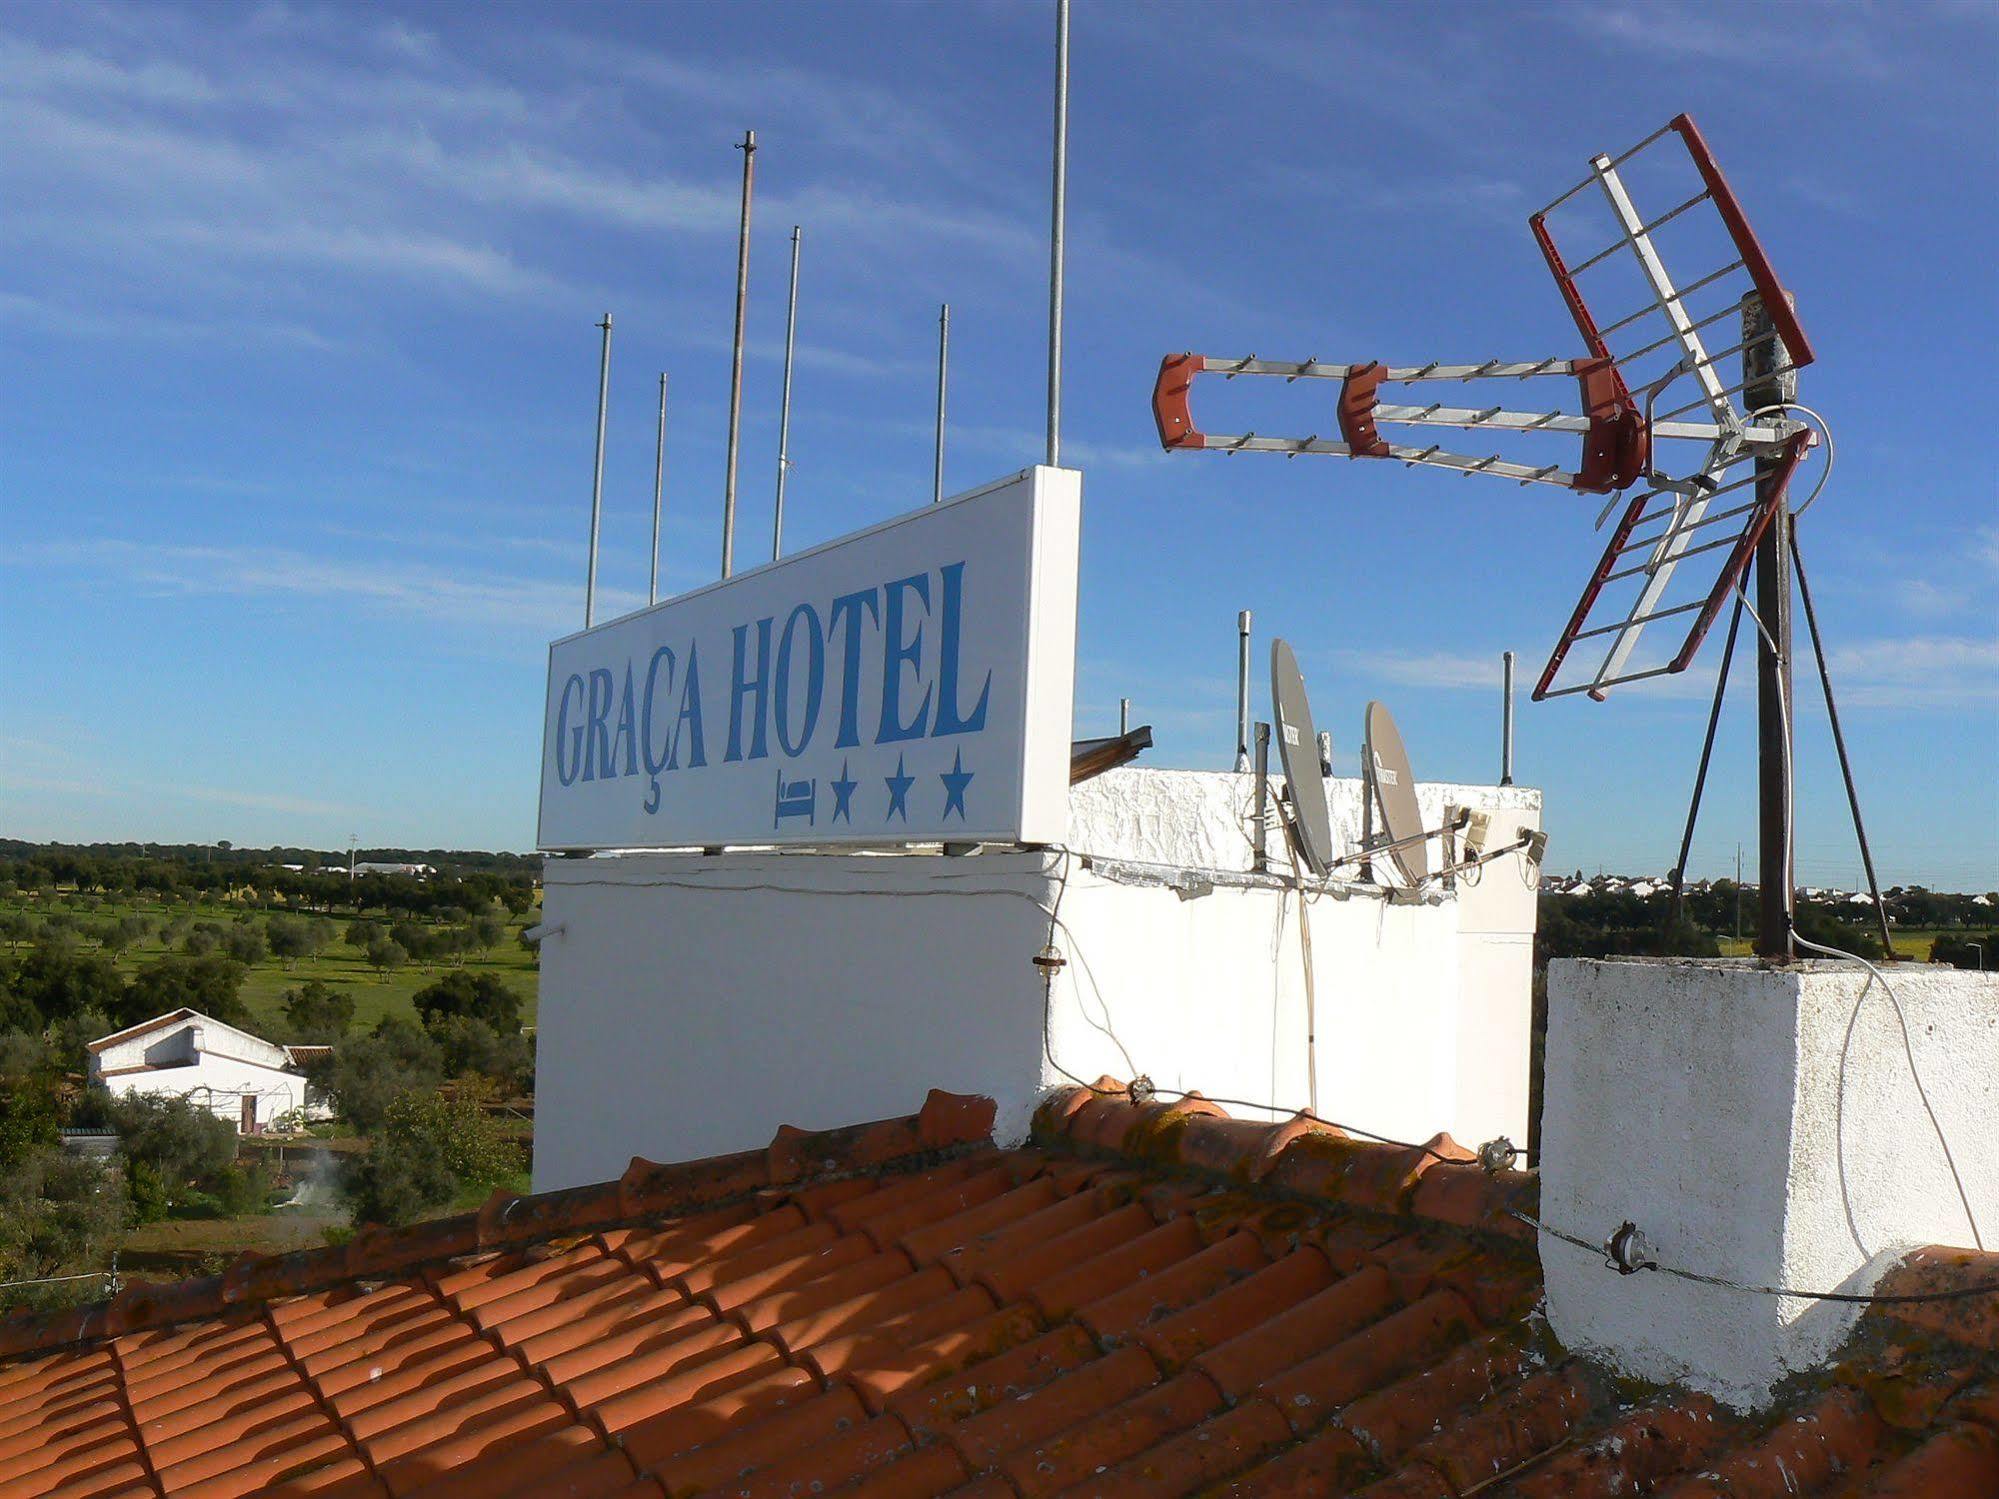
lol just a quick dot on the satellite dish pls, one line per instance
(1298, 744)
(1394, 788)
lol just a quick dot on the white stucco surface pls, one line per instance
(692, 1003)
(1762, 1125)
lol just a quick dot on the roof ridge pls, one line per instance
(947, 1124)
(1302, 1156)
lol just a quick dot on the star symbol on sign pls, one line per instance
(898, 791)
(955, 780)
(843, 794)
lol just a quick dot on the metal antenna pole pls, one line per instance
(658, 489)
(1058, 214)
(748, 146)
(1839, 744)
(1124, 715)
(1506, 724)
(943, 371)
(1674, 906)
(597, 475)
(1242, 691)
(784, 404)
(1768, 377)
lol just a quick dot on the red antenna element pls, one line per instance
(1753, 259)
(1665, 549)
(1169, 401)
(1681, 455)
(1357, 403)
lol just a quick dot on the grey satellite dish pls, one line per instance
(1394, 789)
(1298, 743)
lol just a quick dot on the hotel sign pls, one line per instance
(908, 683)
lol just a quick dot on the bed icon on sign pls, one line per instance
(795, 799)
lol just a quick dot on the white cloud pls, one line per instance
(524, 605)
(414, 255)
(1928, 599)
(1917, 671)
(71, 321)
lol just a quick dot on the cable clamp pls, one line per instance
(1141, 1090)
(1628, 1250)
(1497, 1155)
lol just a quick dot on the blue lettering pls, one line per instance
(568, 737)
(597, 751)
(627, 732)
(689, 717)
(896, 653)
(741, 687)
(949, 720)
(849, 606)
(815, 679)
(655, 763)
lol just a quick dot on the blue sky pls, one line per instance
(298, 372)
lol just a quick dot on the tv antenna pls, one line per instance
(1708, 460)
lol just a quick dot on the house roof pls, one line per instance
(1147, 1299)
(172, 1017)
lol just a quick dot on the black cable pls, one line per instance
(1839, 744)
(1675, 906)
(1856, 1298)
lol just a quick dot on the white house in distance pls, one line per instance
(235, 1075)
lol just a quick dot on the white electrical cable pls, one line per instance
(1790, 855)
(1915, 1074)
(1824, 430)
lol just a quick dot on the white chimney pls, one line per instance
(1765, 1126)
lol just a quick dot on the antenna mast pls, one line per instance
(597, 475)
(658, 489)
(1058, 213)
(748, 146)
(1769, 379)
(784, 404)
(943, 370)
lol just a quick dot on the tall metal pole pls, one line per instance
(1242, 691)
(597, 475)
(1058, 213)
(748, 146)
(1769, 378)
(658, 489)
(1506, 724)
(784, 404)
(943, 375)
(1124, 715)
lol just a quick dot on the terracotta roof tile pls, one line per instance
(1148, 1299)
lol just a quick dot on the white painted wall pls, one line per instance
(1761, 1125)
(214, 1064)
(691, 1003)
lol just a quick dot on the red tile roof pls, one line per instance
(1146, 1300)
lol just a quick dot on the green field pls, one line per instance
(339, 966)
(1912, 944)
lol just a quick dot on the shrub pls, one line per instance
(59, 1215)
(482, 996)
(368, 1073)
(318, 1014)
(428, 1151)
(472, 1048)
(170, 1146)
(209, 984)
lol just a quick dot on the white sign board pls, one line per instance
(908, 683)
